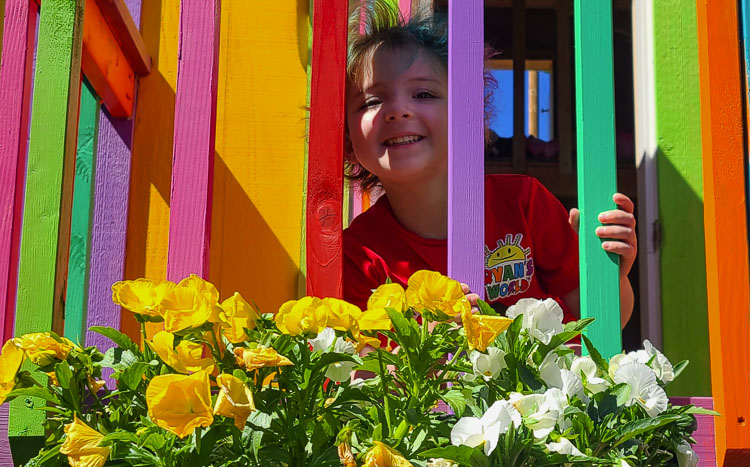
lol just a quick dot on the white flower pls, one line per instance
(659, 362)
(564, 446)
(585, 366)
(537, 413)
(473, 432)
(686, 457)
(339, 371)
(557, 377)
(643, 388)
(618, 360)
(441, 463)
(542, 319)
(557, 401)
(488, 365)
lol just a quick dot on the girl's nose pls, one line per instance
(397, 112)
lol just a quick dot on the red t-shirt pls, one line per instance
(530, 249)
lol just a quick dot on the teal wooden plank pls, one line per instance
(80, 223)
(48, 196)
(597, 177)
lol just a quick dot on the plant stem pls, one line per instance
(385, 391)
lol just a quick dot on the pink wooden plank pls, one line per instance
(109, 226)
(405, 7)
(19, 36)
(466, 142)
(705, 445)
(194, 136)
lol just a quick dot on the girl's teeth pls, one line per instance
(402, 140)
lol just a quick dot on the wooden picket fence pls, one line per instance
(65, 169)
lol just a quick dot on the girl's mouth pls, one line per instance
(402, 140)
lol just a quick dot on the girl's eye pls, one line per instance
(424, 95)
(370, 103)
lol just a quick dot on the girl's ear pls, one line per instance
(349, 149)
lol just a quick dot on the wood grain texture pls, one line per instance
(46, 215)
(110, 216)
(325, 170)
(704, 434)
(194, 136)
(725, 221)
(124, 25)
(19, 38)
(80, 223)
(105, 65)
(597, 172)
(681, 249)
(151, 157)
(466, 143)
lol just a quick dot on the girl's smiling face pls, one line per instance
(397, 117)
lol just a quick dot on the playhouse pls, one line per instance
(160, 138)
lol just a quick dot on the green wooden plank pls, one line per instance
(597, 176)
(679, 164)
(46, 220)
(302, 276)
(80, 224)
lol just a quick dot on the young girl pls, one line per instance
(397, 137)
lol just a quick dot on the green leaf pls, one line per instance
(118, 359)
(117, 337)
(133, 375)
(35, 391)
(636, 427)
(485, 308)
(621, 392)
(401, 429)
(456, 400)
(527, 377)
(111, 438)
(377, 432)
(595, 355)
(462, 454)
(64, 375)
(695, 410)
(154, 441)
(402, 328)
(570, 330)
(677, 369)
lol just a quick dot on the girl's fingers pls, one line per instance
(619, 248)
(623, 202)
(617, 217)
(616, 232)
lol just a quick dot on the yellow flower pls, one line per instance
(141, 296)
(388, 296)
(235, 400)
(307, 315)
(381, 455)
(185, 307)
(345, 455)
(259, 357)
(481, 330)
(342, 315)
(82, 445)
(43, 348)
(186, 358)
(237, 315)
(439, 295)
(207, 290)
(10, 361)
(180, 403)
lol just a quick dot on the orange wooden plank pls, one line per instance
(105, 65)
(725, 225)
(117, 15)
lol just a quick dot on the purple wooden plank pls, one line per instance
(194, 136)
(109, 226)
(705, 442)
(466, 142)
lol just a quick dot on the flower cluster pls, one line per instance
(222, 383)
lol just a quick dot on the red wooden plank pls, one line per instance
(194, 136)
(325, 167)
(125, 29)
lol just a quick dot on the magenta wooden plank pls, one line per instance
(405, 7)
(705, 443)
(109, 224)
(19, 37)
(194, 135)
(466, 142)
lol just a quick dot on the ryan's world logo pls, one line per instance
(508, 268)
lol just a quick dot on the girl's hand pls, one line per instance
(618, 230)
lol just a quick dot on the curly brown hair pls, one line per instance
(382, 25)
